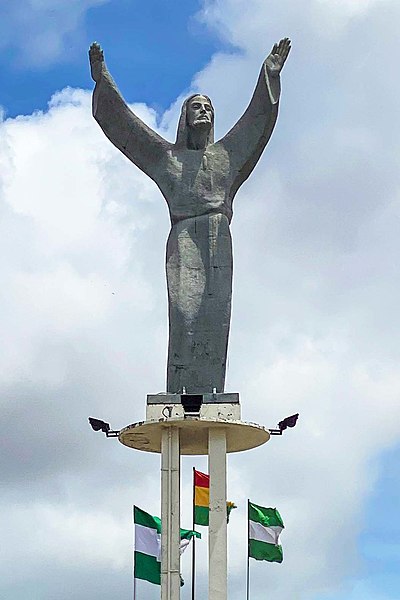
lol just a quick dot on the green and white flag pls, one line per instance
(265, 526)
(147, 556)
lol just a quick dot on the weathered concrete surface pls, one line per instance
(199, 180)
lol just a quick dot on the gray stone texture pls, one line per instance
(199, 179)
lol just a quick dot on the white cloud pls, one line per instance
(351, 8)
(63, 221)
(69, 536)
(251, 25)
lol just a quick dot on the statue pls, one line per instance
(199, 179)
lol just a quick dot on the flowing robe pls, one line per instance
(199, 187)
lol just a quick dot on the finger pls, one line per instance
(95, 52)
(95, 47)
(285, 49)
(282, 48)
(274, 49)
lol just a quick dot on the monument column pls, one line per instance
(170, 513)
(217, 531)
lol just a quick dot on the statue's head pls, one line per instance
(199, 112)
(197, 116)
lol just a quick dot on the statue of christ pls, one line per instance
(199, 179)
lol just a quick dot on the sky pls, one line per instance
(315, 322)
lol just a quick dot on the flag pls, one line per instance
(147, 556)
(265, 525)
(201, 499)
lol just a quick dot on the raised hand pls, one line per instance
(277, 57)
(96, 57)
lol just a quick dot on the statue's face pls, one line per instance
(199, 112)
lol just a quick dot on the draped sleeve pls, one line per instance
(246, 141)
(143, 146)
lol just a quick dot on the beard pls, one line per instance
(198, 133)
(202, 124)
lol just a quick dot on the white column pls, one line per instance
(170, 511)
(217, 543)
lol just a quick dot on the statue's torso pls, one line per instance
(196, 182)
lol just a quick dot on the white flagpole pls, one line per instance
(248, 553)
(134, 545)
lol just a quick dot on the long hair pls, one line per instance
(182, 131)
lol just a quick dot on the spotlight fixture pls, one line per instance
(288, 422)
(284, 424)
(98, 425)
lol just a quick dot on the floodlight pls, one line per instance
(98, 425)
(284, 424)
(288, 422)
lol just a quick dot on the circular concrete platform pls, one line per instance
(146, 435)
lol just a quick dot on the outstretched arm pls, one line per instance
(247, 139)
(143, 146)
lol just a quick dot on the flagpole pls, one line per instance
(194, 544)
(248, 554)
(134, 547)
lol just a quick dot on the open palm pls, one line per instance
(277, 57)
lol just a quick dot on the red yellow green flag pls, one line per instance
(201, 499)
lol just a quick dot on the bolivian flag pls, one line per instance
(201, 499)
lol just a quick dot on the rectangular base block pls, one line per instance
(205, 406)
(231, 398)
